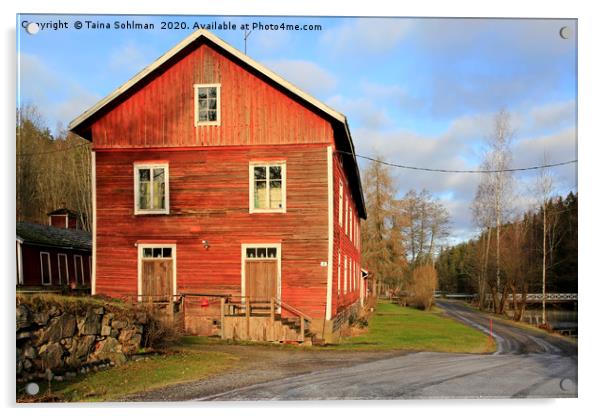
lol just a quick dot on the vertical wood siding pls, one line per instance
(209, 200)
(253, 112)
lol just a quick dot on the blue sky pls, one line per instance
(419, 92)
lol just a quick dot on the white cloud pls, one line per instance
(455, 149)
(58, 99)
(362, 110)
(366, 35)
(305, 74)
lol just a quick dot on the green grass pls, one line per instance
(138, 376)
(395, 327)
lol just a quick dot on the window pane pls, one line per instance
(158, 195)
(45, 269)
(157, 252)
(144, 175)
(212, 115)
(275, 172)
(147, 252)
(212, 92)
(272, 253)
(167, 252)
(259, 172)
(203, 104)
(202, 93)
(144, 195)
(260, 194)
(250, 253)
(212, 103)
(275, 194)
(262, 253)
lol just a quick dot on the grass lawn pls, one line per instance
(138, 376)
(396, 327)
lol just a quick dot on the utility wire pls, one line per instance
(395, 165)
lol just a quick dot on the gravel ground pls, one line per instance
(261, 364)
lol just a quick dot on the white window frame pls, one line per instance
(42, 269)
(218, 116)
(58, 257)
(345, 215)
(340, 203)
(266, 164)
(143, 165)
(83, 276)
(339, 274)
(244, 259)
(141, 247)
(345, 281)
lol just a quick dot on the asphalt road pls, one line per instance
(527, 364)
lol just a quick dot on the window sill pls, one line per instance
(267, 211)
(151, 212)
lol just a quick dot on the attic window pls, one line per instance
(207, 104)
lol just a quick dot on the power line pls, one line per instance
(395, 165)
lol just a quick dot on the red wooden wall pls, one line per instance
(347, 243)
(32, 274)
(209, 200)
(253, 112)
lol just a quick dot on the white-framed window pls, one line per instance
(45, 269)
(79, 269)
(151, 188)
(63, 268)
(349, 217)
(346, 215)
(340, 203)
(345, 282)
(339, 273)
(207, 104)
(267, 187)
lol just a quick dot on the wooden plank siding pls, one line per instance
(209, 200)
(160, 113)
(342, 243)
(32, 272)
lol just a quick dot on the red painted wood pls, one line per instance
(209, 200)
(209, 183)
(32, 275)
(253, 112)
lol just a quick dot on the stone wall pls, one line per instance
(59, 338)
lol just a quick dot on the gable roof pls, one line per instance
(80, 125)
(46, 235)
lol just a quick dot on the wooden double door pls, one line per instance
(261, 280)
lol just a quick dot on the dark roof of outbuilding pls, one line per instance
(54, 236)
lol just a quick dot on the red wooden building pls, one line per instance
(51, 258)
(213, 175)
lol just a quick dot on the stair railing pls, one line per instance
(274, 302)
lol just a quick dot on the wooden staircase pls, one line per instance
(261, 320)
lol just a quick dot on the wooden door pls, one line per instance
(157, 279)
(261, 280)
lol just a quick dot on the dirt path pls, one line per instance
(261, 364)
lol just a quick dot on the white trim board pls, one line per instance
(94, 220)
(330, 173)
